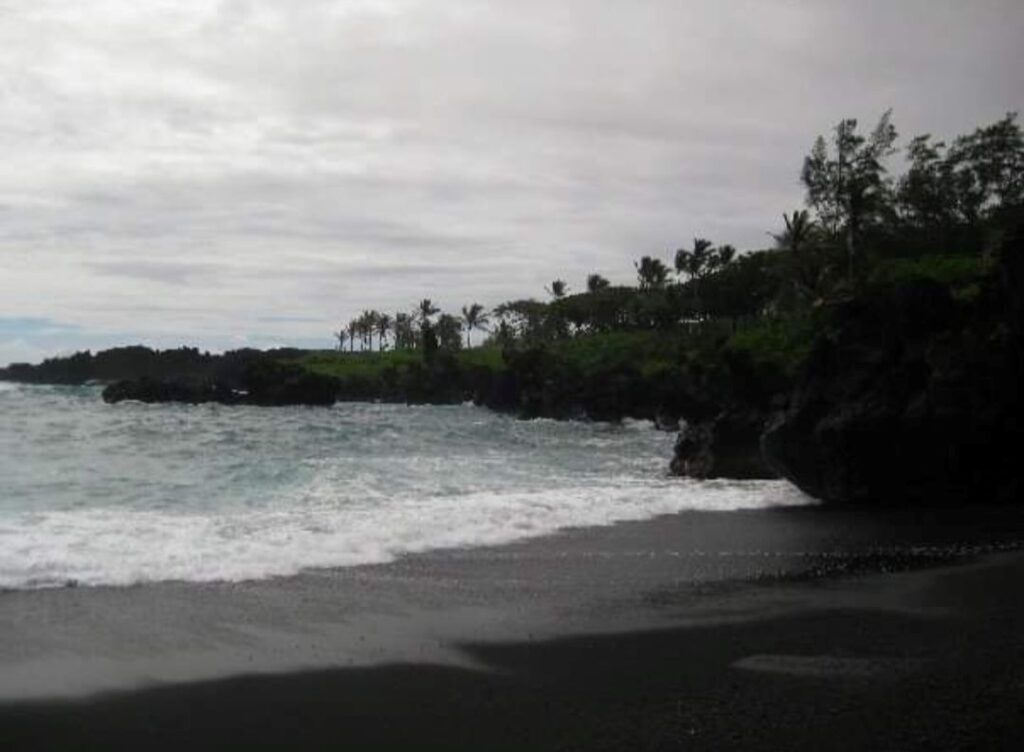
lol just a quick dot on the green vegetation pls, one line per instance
(371, 365)
(612, 350)
(952, 271)
(779, 343)
(356, 365)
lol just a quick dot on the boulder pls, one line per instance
(726, 446)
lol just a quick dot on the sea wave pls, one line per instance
(100, 495)
(118, 547)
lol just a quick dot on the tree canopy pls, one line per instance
(858, 217)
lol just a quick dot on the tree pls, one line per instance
(798, 232)
(948, 194)
(848, 187)
(596, 283)
(926, 192)
(527, 319)
(405, 337)
(558, 289)
(743, 289)
(703, 261)
(994, 157)
(353, 330)
(725, 256)
(692, 263)
(367, 328)
(608, 309)
(428, 341)
(425, 310)
(651, 273)
(384, 325)
(449, 332)
(342, 336)
(504, 337)
(473, 317)
(806, 262)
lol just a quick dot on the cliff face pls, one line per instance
(911, 397)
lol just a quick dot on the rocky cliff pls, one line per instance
(912, 395)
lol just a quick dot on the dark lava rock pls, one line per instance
(499, 392)
(666, 422)
(726, 446)
(307, 389)
(265, 383)
(151, 390)
(1012, 278)
(911, 399)
(271, 383)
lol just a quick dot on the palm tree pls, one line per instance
(724, 257)
(383, 327)
(404, 338)
(699, 265)
(449, 332)
(799, 228)
(426, 309)
(596, 283)
(473, 317)
(558, 289)
(798, 238)
(367, 327)
(694, 264)
(651, 273)
(353, 330)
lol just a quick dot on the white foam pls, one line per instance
(638, 424)
(117, 547)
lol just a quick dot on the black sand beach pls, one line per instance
(787, 629)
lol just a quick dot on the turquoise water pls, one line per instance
(96, 494)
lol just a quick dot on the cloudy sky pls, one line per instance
(249, 172)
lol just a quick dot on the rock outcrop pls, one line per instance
(272, 384)
(151, 390)
(264, 383)
(726, 446)
(912, 397)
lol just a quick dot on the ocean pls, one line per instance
(93, 494)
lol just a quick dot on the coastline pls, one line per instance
(698, 630)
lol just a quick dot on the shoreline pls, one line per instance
(585, 639)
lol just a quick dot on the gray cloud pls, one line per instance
(214, 171)
(161, 272)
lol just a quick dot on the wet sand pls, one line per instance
(781, 629)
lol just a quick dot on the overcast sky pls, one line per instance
(249, 172)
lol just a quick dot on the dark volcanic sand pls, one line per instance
(784, 629)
